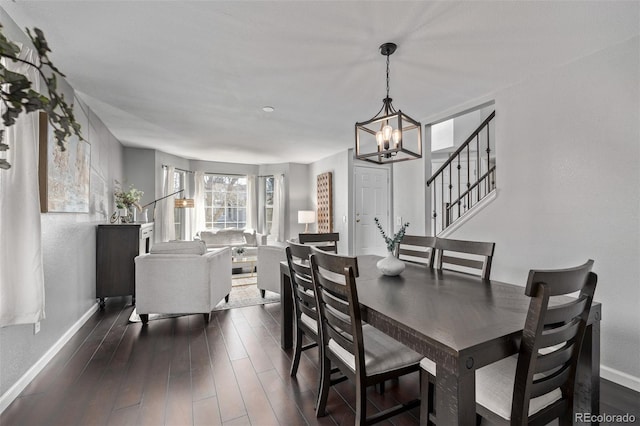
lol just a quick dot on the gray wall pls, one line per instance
(296, 193)
(339, 165)
(568, 144)
(69, 267)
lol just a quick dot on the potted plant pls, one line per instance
(18, 97)
(391, 265)
(126, 202)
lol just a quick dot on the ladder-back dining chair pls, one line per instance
(304, 301)
(361, 352)
(417, 249)
(471, 256)
(538, 384)
(326, 241)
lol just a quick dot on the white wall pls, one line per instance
(568, 143)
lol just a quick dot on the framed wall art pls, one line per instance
(64, 175)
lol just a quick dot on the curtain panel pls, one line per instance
(165, 223)
(22, 293)
(277, 224)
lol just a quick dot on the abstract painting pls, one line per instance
(64, 175)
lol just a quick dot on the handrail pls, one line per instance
(462, 147)
(463, 184)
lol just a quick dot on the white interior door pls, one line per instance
(372, 200)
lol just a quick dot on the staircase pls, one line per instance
(466, 178)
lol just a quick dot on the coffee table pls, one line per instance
(244, 262)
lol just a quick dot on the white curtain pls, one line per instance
(198, 203)
(277, 224)
(21, 271)
(251, 202)
(166, 222)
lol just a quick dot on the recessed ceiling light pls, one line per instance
(268, 109)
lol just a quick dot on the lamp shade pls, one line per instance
(184, 203)
(306, 216)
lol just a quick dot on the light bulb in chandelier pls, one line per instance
(386, 133)
(379, 139)
(397, 137)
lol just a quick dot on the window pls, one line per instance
(225, 198)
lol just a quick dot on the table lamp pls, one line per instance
(306, 217)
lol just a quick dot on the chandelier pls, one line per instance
(390, 136)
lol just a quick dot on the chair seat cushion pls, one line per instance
(494, 389)
(381, 352)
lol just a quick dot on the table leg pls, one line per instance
(286, 312)
(587, 391)
(455, 398)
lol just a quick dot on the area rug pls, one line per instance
(240, 297)
(244, 279)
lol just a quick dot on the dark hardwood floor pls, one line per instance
(181, 371)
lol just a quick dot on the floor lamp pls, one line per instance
(180, 203)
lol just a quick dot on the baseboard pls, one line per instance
(623, 379)
(12, 393)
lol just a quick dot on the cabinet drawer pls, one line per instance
(146, 233)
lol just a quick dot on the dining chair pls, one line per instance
(327, 241)
(361, 352)
(417, 249)
(304, 301)
(476, 256)
(537, 385)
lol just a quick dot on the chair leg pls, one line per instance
(144, 318)
(425, 397)
(297, 353)
(361, 404)
(226, 299)
(262, 293)
(207, 317)
(325, 384)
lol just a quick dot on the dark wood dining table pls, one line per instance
(459, 321)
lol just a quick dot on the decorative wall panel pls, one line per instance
(325, 203)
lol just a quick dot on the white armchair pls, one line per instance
(182, 278)
(269, 258)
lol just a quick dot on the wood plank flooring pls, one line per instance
(181, 371)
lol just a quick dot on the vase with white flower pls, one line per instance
(127, 204)
(391, 265)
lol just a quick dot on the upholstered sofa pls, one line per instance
(233, 238)
(182, 277)
(269, 258)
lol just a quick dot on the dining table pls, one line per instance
(461, 322)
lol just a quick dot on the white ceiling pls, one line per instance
(190, 78)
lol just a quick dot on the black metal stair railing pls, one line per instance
(455, 192)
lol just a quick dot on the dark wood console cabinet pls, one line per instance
(116, 247)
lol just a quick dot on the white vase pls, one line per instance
(390, 265)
